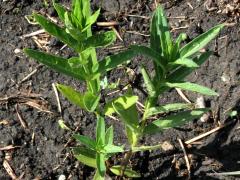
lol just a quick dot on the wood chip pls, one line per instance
(4, 122)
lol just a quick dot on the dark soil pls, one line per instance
(41, 151)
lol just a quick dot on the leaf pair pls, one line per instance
(96, 152)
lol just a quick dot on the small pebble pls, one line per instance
(62, 177)
(17, 51)
(167, 146)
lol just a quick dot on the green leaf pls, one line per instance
(154, 55)
(101, 164)
(90, 101)
(132, 135)
(180, 73)
(148, 83)
(72, 95)
(146, 148)
(57, 63)
(57, 31)
(90, 143)
(128, 172)
(167, 108)
(60, 10)
(113, 61)
(125, 107)
(109, 149)
(100, 132)
(72, 28)
(176, 48)
(77, 8)
(199, 42)
(86, 156)
(173, 120)
(100, 40)
(91, 20)
(97, 176)
(185, 62)
(163, 32)
(192, 87)
(128, 101)
(109, 135)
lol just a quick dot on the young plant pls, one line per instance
(77, 34)
(172, 63)
(94, 153)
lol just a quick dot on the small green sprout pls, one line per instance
(94, 153)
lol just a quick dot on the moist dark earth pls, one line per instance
(43, 150)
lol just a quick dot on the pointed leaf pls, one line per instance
(57, 63)
(199, 42)
(185, 62)
(100, 132)
(78, 9)
(100, 40)
(72, 27)
(128, 172)
(90, 101)
(176, 48)
(113, 61)
(148, 83)
(163, 32)
(101, 164)
(93, 18)
(167, 108)
(85, 156)
(72, 95)
(192, 87)
(60, 10)
(173, 120)
(109, 136)
(180, 73)
(90, 143)
(56, 31)
(109, 149)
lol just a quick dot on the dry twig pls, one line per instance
(57, 97)
(185, 156)
(9, 170)
(22, 122)
(190, 141)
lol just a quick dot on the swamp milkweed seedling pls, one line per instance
(172, 63)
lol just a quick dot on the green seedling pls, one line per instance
(172, 63)
(94, 153)
(77, 34)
